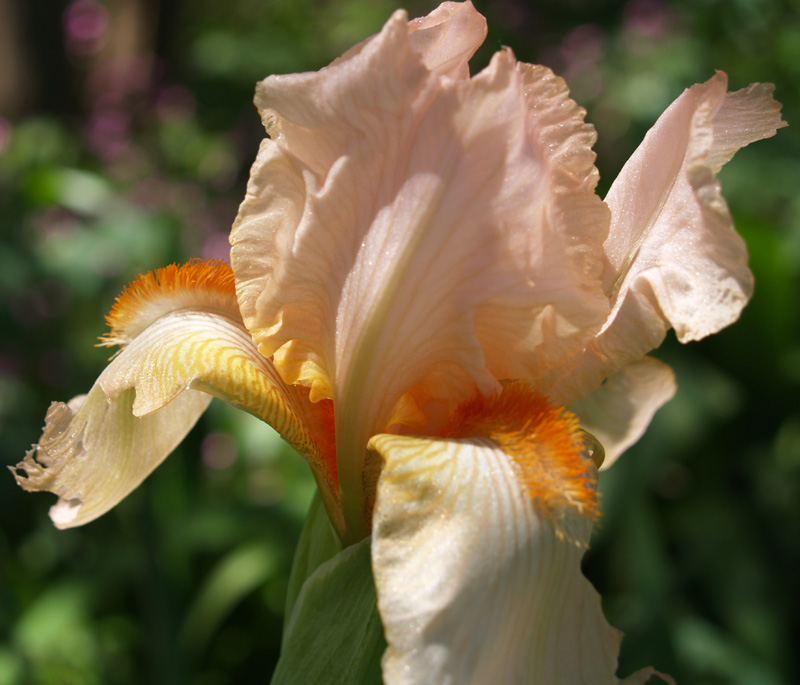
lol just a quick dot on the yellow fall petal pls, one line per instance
(146, 400)
(93, 452)
(477, 544)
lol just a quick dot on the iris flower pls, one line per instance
(430, 303)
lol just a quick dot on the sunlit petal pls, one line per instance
(146, 400)
(213, 352)
(478, 570)
(672, 246)
(447, 38)
(403, 229)
(93, 452)
(674, 259)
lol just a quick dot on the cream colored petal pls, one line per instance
(146, 401)
(619, 411)
(474, 584)
(402, 229)
(674, 258)
(213, 352)
(93, 452)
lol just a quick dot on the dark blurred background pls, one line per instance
(126, 134)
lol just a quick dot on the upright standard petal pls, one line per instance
(407, 232)
(477, 544)
(181, 333)
(447, 38)
(674, 258)
(672, 247)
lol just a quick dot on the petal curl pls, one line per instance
(672, 242)
(213, 352)
(674, 258)
(619, 411)
(95, 452)
(476, 583)
(448, 37)
(404, 230)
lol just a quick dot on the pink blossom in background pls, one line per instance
(108, 132)
(175, 102)
(85, 25)
(217, 246)
(219, 451)
(583, 47)
(650, 18)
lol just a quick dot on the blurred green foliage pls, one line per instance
(128, 148)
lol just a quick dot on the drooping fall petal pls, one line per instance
(213, 352)
(404, 229)
(93, 452)
(477, 544)
(182, 334)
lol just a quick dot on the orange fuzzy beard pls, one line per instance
(545, 444)
(208, 284)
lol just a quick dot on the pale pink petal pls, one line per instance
(448, 37)
(445, 39)
(672, 241)
(674, 259)
(619, 411)
(405, 230)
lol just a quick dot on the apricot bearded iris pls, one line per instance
(422, 278)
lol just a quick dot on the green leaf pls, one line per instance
(238, 574)
(318, 543)
(334, 633)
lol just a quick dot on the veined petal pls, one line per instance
(213, 352)
(93, 452)
(92, 455)
(672, 241)
(477, 564)
(404, 230)
(674, 258)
